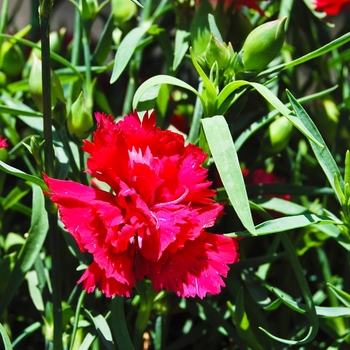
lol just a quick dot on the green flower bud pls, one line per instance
(35, 85)
(278, 135)
(219, 52)
(89, 10)
(56, 41)
(80, 120)
(11, 59)
(261, 46)
(123, 10)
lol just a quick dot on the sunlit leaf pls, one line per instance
(224, 154)
(322, 154)
(126, 50)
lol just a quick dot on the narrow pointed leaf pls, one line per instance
(159, 80)
(341, 295)
(126, 50)
(285, 224)
(322, 154)
(5, 338)
(224, 154)
(120, 330)
(21, 174)
(181, 47)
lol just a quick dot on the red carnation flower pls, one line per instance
(152, 222)
(3, 143)
(331, 7)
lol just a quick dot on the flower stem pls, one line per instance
(44, 14)
(147, 295)
(87, 63)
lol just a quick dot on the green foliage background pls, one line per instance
(291, 287)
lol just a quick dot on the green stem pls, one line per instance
(76, 318)
(44, 13)
(87, 63)
(130, 90)
(147, 295)
(75, 52)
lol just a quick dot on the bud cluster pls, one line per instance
(260, 47)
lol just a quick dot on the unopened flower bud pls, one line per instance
(35, 85)
(219, 52)
(261, 46)
(11, 59)
(89, 10)
(80, 120)
(123, 10)
(278, 135)
(56, 41)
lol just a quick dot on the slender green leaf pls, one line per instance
(224, 154)
(273, 100)
(321, 311)
(5, 338)
(285, 224)
(214, 28)
(15, 195)
(322, 154)
(228, 90)
(126, 50)
(22, 175)
(120, 330)
(276, 103)
(159, 80)
(34, 290)
(26, 332)
(102, 329)
(267, 119)
(31, 248)
(341, 295)
(104, 43)
(87, 342)
(17, 111)
(181, 47)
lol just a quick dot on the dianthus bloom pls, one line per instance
(152, 223)
(331, 7)
(3, 143)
